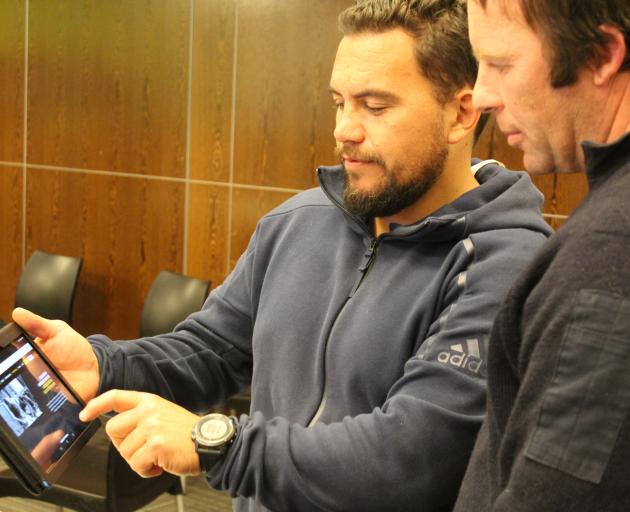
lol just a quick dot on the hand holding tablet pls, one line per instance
(40, 430)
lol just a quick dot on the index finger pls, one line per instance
(116, 400)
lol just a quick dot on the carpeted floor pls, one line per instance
(198, 498)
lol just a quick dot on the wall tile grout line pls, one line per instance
(151, 177)
(191, 35)
(232, 143)
(25, 131)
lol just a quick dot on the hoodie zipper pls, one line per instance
(369, 256)
(363, 270)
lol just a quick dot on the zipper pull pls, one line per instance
(363, 269)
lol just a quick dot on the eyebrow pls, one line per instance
(479, 55)
(371, 93)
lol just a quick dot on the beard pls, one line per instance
(396, 191)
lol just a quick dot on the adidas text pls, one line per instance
(461, 360)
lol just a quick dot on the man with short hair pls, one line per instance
(359, 312)
(557, 435)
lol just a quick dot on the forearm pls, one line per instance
(195, 366)
(408, 455)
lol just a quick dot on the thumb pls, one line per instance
(34, 324)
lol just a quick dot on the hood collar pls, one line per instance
(504, 199)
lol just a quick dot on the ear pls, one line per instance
(611, 57)
(464, 116)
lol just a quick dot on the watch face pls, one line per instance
(215, 429)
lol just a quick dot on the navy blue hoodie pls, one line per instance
(366, 356)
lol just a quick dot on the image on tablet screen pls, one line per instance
(35, 405)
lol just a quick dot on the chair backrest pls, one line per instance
(47, 285)
(171, 298)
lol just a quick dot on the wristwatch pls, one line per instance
(212, 436)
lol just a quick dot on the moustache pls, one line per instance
(353, 153)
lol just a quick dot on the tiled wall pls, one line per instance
(152, 134)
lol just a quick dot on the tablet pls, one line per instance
(40, 430)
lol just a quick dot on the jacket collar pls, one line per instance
(605, 159)
(332, 181)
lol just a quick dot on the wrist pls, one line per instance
(212, 435)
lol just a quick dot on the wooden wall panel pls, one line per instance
(11, 239)
(213, 58)
(108, 84)
(11, 80)
(250, 206)
(208, 232)
(563, 192)
(127, 230)
(284, 114)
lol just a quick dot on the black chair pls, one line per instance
(100, 480)
(48, 284)
(171, 298)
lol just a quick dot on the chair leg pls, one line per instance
(179, 501)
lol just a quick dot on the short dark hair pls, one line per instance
(570, 32)
(440, 29)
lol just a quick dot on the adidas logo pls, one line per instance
(468, 357)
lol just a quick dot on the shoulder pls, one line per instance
(514, 246)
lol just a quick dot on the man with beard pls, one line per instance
(359, 311)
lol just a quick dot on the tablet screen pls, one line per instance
(35, 405)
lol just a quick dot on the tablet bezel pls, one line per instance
(18, 458)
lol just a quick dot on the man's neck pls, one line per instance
(457, 179)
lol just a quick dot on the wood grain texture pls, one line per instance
(284, 114)
(213, 58)
(249, 207)
(126, 229)
(12, 47)
(11, 239)
(108, 84)
(563, 192)
(208, 232)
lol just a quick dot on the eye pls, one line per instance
(375, 109)
(338, 105)
(499, 67)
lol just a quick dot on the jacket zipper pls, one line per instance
(363, 271)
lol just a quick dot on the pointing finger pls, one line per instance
(116, 400)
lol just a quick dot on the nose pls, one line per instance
(486, 98)
(348, 128)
